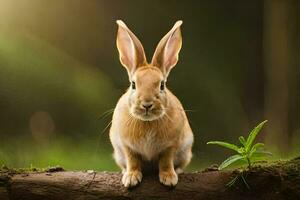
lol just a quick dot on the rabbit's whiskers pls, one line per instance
(106, 127)
(106, 113)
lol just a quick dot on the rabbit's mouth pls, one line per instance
(149, 115)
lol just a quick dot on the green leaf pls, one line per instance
(258, 145)
(253, 135)
(242, 140)
(230, 160)
(255, 148)
(241, 150)
(261, 154)
(225, 144)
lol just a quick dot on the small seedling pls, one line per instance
(246, 152)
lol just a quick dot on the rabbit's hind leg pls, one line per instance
(182, 159)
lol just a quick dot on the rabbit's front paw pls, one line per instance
(168, 178)
(131, 178)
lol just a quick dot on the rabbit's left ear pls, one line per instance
(166, 54)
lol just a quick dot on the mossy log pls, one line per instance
(279, 180)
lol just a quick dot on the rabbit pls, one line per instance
(149, 122)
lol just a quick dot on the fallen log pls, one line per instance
(279, 180)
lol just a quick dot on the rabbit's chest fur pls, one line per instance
(148, 139)
(149, 144)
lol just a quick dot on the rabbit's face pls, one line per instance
(147, 94)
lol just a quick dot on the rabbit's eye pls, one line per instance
(133, 85)
(162, 85)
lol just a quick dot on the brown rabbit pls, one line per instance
(149, 122)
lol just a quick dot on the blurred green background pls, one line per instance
(59, 72)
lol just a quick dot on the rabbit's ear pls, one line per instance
(166, 54)
(131, 51)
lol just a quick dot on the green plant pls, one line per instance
(246, 152)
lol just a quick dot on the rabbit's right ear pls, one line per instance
(130, 49)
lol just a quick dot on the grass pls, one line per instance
(70, 153)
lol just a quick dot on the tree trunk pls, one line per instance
(277, 72)
(276, 181)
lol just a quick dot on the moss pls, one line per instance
(10, 171)
(288, 170)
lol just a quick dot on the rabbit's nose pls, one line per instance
(147, 105)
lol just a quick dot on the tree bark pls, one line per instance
(277, 50)
(276, 181)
